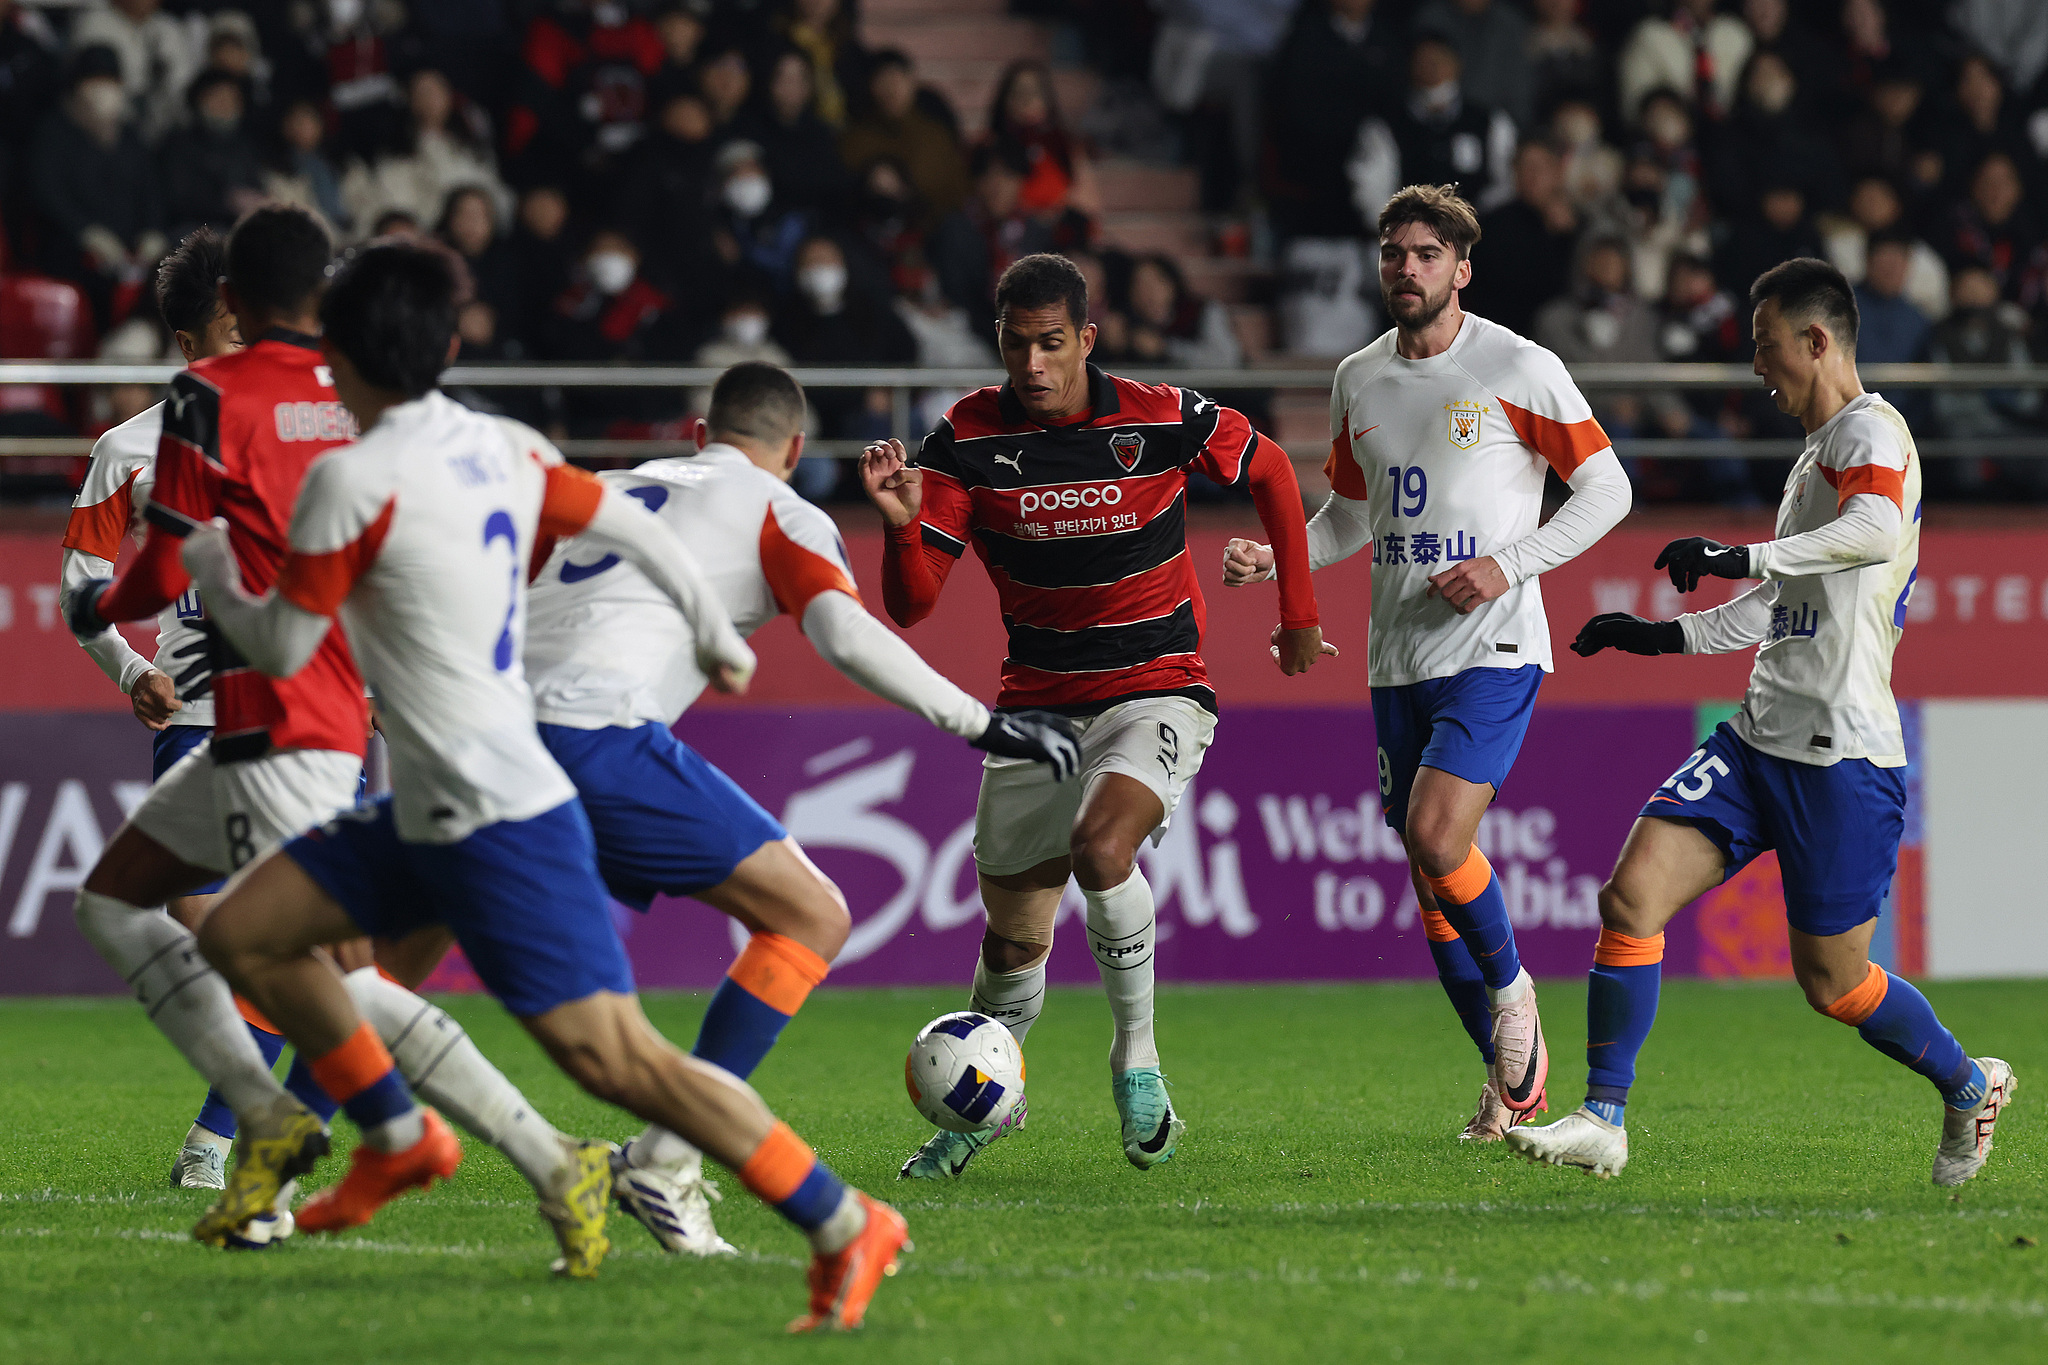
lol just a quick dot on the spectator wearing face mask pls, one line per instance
(824, 321)
(742, 336)
(157, 60)
(1439, 135)
(1601, 321)
(213, 172)
(1492, 39)
(895, 126)
(95, 185)
(750, 230)
(610, 313)
(1590, 165)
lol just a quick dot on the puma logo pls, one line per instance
(1015, 462)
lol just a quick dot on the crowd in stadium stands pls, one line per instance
(719, 180)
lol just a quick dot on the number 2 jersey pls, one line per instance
(1441, 460)
(240, 431)
(108, 506)
(1832, 606)
(418, 537)
(1083, 529)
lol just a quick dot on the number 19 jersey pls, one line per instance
(418, 537)
(1449, 454)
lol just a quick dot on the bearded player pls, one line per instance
(1441, 433)
(1070, 484)
(1812, 766)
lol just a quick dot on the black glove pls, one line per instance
(82, 615)
(1630, 634)
(1696, 557)
(1039, 735)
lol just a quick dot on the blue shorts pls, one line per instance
(665, 820)
(522, 896)
(1836, 829)
(1469, 725)
(167, 746)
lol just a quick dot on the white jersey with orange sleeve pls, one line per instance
(1442, 460)
(605, 647)
(417, 537)
(1832, 606)
(109, 507)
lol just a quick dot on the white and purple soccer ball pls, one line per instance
(965, 1072)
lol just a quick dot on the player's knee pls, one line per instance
(1437, 851)
(1102, 858)
(1625, 913)
(1005, 955)
(1823, 987)
(827, 918)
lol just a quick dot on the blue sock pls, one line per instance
(1461, 981)
(299, 1081)
(214, 1115)
(1621, 1005)
(764, 987)
(1471, 900)
(788, 1177)
(1893, 1017)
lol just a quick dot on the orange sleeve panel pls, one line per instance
(1347, 480)
(318, 582)
(1847, 483)
(1567, 445)
(97, 530)
(570, 501)
(796, 573)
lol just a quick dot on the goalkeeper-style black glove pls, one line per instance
(1038, 735)
(1630, 634)
(1696, 557)
(82, 614)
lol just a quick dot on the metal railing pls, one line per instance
(904, 383)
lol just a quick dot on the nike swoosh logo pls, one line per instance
(1672, 799)
(1158, 1139)
(1361, 435)
(1521, 1091)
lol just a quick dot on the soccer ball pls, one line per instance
(965, 1072)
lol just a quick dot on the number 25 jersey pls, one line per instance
(1449, 454)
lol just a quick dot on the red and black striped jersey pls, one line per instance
(1083, 529)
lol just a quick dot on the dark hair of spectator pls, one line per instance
(1440, 208)
(208, 79)
(390, 309)
(1810, 290)
(1187, 309)
(188, 281)
(277, 256)
(758, 401)
(998, 108)
(95, 62)
(1044, 280)
(1892, 236)
(391, 219)
(885, 57)
(455, 197)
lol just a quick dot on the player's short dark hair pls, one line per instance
(759, 401)
(1440, 208)
(277, 257)
(390, 308)
(1044, 280)
(1810, 290)
(188, 282)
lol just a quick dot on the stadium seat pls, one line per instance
(41, 319)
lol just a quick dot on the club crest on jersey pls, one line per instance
(1128, 447)
(1464, 423)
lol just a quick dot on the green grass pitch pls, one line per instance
(1778, 1206)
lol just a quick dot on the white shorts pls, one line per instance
(1025, 818)
(223, 817)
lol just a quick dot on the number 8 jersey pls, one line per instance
(418, 537)
(1442, 460)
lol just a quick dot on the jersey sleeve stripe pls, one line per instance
(97, 530)
(319, 582)
(797, 573)
(570, 500)
(1567, 445)
(1347, 480)
(939, 540)
(1866, 478)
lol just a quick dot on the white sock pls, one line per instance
(1012, 998)
(1513, 991)
(444, 1068)
(397, 1134)
(201, 1135)
(1120, 933)
(836, 1233)
(664, 1152)
(183, 995)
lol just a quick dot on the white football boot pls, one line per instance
(1966, 1133)
(1493, 1119)
(675, 1206)
(1521, 1062)
(200, 1166)
(1581, 1138)
(944, 1155)
(268, 1229)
